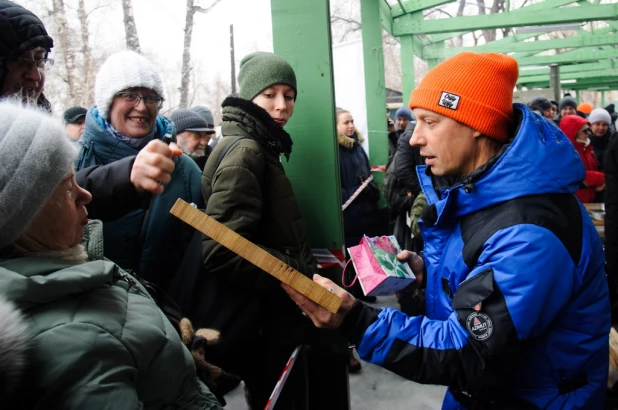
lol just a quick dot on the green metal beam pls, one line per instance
(583, 84)
(569, 76)
(385, 17)
(522, 17)
(375, 89)
(408, 50)
(571, 68)
(600, 39)
(547, 4)
(412, 6)
(314, 165)
(580, 55)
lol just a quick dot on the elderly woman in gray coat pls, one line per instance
(98, 340)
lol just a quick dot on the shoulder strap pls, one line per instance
(226, 149)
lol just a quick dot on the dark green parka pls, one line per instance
(249, 193)
(98, 340)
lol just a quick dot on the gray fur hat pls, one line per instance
(123, 70)
(36, 154)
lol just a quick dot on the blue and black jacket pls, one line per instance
(150, 242)
(517, 308)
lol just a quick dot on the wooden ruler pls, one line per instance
(256, 255)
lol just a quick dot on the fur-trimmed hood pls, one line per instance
(14, 345)
(348, 142)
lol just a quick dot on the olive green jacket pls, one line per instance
(99, 341)
(249, 192)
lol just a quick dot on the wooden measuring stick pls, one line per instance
(256, 255)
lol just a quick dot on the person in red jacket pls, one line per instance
(577, 130)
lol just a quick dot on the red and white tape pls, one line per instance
(329, 258)
(357, 192)
(270, 404)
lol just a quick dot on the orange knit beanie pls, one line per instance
(585, 108)
(474, 89)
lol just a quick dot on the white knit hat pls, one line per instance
(35, 154)
(123, 70)
(600, 114)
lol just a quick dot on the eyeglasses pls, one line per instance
(25, 64)
(149, 100)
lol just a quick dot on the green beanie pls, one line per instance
(260, 70)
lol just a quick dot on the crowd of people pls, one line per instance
(108, 301)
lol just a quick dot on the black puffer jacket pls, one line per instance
(21, 30)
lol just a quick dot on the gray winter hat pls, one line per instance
(187, 120)
(206, 114)
(35, 154)
(567, 102)
(599, 114)
(123, 70)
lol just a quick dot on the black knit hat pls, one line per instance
(187, 120)
(261, 70)
(73, 114)
(21, 30)
(567, 102)
(540, 102)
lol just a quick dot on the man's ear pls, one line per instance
(477, 134)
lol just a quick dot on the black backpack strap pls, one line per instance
(226, 149)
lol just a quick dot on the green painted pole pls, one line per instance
(577, 96)
(602, 98)
(375, 92)
(408, 51)
(301, 35)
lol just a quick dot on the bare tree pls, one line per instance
(68, 56)
(185, 79)
(87, 96)
(131, 36)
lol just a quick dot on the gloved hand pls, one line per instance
(218, 380)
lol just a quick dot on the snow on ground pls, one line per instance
(374, 388)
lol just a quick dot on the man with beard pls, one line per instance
(193, 134)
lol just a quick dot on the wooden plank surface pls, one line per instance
(256, 255)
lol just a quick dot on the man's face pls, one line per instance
(76, 129)
(450, 148)
(25, 78)
(402, 123)
(193, 142)
(568, 110)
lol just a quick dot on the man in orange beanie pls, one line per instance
(517, 309)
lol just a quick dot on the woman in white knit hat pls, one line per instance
(600, 132)
(97, 339)
(125, 121)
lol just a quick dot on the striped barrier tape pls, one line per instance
(272, 401)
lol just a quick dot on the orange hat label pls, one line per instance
(449, 100)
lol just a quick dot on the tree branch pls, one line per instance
(207, 9)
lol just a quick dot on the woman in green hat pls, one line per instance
(246, 189)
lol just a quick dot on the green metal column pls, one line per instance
(408, 52)
(602, 98)
(301, 35)
(375, 92)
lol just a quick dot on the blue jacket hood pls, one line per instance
(538, 160)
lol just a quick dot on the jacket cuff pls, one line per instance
(356, 322)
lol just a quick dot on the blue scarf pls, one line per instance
(137, 143)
